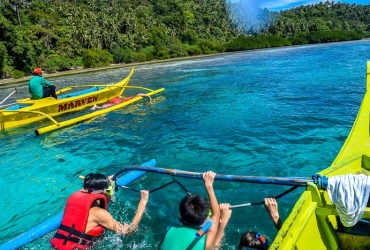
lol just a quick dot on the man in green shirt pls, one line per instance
(39, 87)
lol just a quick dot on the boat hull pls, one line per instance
(28, 111)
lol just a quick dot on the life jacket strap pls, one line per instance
(72, 239)
(82, 238)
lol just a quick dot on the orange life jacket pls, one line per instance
(71, 233)
(116, 100)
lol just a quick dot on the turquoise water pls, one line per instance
(275, 112)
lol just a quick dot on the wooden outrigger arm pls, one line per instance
(104, 85)
(63, 90)
(32, 112)
(66, 89)
(6, 105)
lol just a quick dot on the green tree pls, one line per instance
(96, 58)
(3, 58)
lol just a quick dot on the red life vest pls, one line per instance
(71, 233)
(116, 100)
(127, 99)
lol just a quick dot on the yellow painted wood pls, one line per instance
(92, 115)
(52, 107)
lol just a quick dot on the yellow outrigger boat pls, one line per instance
(313, 222)
(28, 110)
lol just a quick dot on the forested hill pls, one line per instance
(58, 35)
(322, 21)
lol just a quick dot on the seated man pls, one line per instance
(195, 215)
(86, 216)
(40, 88)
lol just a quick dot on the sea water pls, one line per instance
(275, 112)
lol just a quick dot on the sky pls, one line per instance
(277, 5)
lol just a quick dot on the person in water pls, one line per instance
(86, 216)
(40, 88)
(118, 100)
(196, 214)
(255, 240)
(250, 239)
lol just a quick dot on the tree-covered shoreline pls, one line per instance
(61, 35)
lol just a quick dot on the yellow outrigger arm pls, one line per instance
(31, 111)
(105, 85)
(56, 126)
(63, 90)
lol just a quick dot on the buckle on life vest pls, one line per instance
(71, 231)
(82, 238)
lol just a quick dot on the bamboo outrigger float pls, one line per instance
(313, 222)
(63, 124)
(27, 111)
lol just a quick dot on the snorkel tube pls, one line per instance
(262, 239)
(203, 229)
(110, 191)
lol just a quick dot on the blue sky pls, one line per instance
(287, 4)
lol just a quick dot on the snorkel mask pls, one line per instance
(261, 239)
(111, 190)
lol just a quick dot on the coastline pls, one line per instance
(11, 82)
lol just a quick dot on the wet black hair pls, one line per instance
(249, 239)
(96, 182)
(194, 210)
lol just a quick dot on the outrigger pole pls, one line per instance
(72, 121)
(291, 181)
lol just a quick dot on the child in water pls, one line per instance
(118, 100)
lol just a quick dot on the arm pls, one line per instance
(105, 219)
(47, 83)
(145, 95)
(141, 207)
(224, 219)
(271, 207)
(208, 178)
